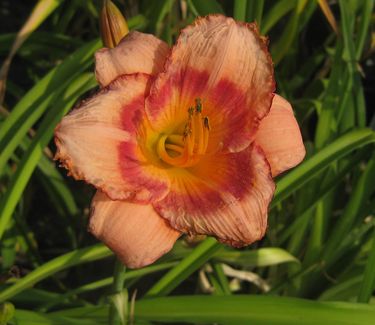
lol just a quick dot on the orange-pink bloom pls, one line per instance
(181, 140)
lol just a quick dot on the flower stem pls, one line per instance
(117, 287)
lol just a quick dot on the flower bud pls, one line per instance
(113, 26)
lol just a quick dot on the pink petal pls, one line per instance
(226, 195)
(137, 52)
(280, 137)
(136, 233)
(224, 63)
(99, 143)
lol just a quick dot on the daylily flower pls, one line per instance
(181, 140)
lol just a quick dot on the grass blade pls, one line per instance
(255, 11)
(368, 282)
(42, 95)
(62, 262)
(40, 12)
(255, 310)
(239, 9)
(261, 257)
(129, 275)
(313, 166)
(278, 11)
(187, 266)
(367, 7)
(35, 151)
(363, 190)
(328, 14)
(282, 46)
(204, 8)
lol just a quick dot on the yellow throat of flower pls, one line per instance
(185, 150)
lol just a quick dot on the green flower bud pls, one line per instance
(113, 26)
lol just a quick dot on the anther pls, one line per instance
(206, 123)
(198, 105)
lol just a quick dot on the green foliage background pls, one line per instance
(316, 264)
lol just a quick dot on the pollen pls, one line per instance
(186, 149)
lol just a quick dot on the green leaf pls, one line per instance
(239, 9)
(129, 275)
(241, 309)
(256, 258)
(343, 290)
(54, 182)
(203, 8)
(40, 12)
(35, 151)
(221, 278)
(368, 283)
(46, 92)
(255, 11)
(26, 317)
(331, 181)
(254, 310)
(62, 262)
(33, 297)
(363, 189)
(280, 49)
(97, 312)
(367, 11)
(278, 11)
(321, 160)
(327, 121)
(187, 266)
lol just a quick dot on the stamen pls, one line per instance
(186, 150)
(198, 105)
(206, 132)
(173, 147)
(191, 111)
(206, 123)
(190, 139)
(163, 154)
(176, 139)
